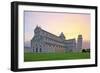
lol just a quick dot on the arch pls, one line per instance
(40, 49)
(36, 49)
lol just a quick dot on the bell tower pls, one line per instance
(79, 43)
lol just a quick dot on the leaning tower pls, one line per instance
(79, 43)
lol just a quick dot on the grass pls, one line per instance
(55, 56)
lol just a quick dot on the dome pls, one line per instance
(62, 35)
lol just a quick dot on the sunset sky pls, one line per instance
(71, 24)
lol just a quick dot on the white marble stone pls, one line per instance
(45, 42)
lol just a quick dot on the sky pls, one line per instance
(71, 24)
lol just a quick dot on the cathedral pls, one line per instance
(46, 42)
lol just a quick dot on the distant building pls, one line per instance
(45, 42)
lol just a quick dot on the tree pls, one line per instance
(83, 50)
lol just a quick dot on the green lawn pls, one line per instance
(54, 56)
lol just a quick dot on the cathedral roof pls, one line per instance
(37, 28)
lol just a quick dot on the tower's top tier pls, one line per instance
(79, 36)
